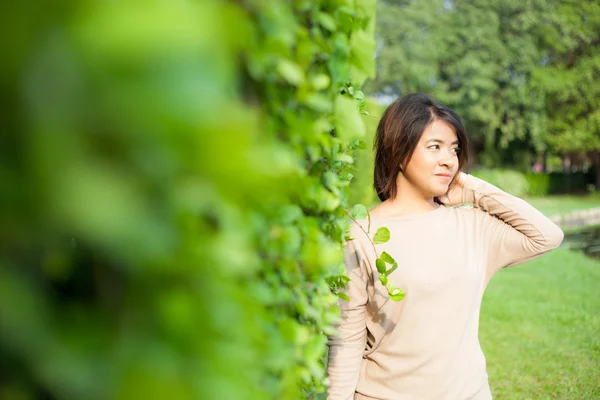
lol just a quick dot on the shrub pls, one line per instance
(175, 189)
(510, 181)
(361, 187)
(539, 184)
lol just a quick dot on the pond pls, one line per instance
(586, 240)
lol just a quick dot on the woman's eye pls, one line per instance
(434, 146)
(456, 150)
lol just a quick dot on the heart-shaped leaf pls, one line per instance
(398, 296)
(380, 264)
(359, 211)
(381, 236)
(387, 257)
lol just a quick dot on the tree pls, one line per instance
(501, 65)
(570, 78)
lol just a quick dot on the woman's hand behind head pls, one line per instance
(454, 196)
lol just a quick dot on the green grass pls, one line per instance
(540, 329)
(559, 205)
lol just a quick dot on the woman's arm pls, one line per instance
(347, 347)
(518, 232)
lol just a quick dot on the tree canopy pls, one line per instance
(522, 74)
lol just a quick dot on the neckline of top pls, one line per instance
(407, 216)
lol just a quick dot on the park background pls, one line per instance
(176, 179)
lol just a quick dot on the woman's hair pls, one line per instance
(399, 132)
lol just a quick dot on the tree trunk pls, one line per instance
(597, 167)
(545, 161)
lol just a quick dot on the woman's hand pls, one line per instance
(454, 195)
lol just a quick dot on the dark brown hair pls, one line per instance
(399, 132)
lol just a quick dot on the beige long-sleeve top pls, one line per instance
(426, 346)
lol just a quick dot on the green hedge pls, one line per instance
(362, 190)
(175, 184)
(539, 184)
(531, 184)
(510, 181)
(559, 183)
(575, 182)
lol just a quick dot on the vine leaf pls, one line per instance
(357, 144)
(397, 294)
(291, 72)
(394, 266)
(343, 296)
(382, 235)
(380, 264)
(385, 256)
(359, 211)
(390, 260)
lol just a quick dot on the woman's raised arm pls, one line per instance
(516, 231)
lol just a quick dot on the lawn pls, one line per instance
(559, 205)
(540, 329)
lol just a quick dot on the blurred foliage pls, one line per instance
(175, 177)
(508, 180)
(570, 80)
(533, 184)
(361, 187)
(521, 74)
(539, 184)
(562, 183)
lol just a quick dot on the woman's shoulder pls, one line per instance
(464, 210)
(471, 218)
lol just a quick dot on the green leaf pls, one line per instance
(380, 264)
(387, 258)
(317, 102)
(363, 49)
(343, 296)
(331, 180)
(326, 21)
(381, 236)
(345, 178)
(394, 266)
(291, 72)
(344, 158)
(359, 211)
(362, 103)
(383, 279)
(320, 81)
(397, 297)
(348, 122)
(357, 144)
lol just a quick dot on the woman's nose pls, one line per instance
(448, 159)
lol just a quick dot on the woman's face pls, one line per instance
(434, 161)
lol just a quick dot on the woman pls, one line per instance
(426, 346)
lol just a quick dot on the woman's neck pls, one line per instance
(408, 200)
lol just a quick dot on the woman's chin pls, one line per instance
(440, 191)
